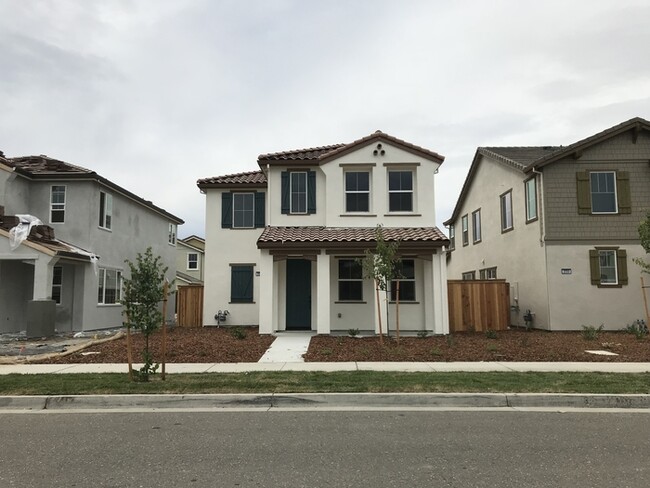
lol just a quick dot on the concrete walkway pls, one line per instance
(288, 347)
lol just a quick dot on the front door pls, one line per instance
(298, 294)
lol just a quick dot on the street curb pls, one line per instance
(269, 401)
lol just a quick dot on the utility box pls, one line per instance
(41, 315)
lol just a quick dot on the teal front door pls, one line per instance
(298, 294)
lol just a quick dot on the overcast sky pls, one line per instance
(155, 94)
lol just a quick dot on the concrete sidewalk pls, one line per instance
(427, 367)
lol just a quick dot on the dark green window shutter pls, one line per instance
(584, 192)
(259, 209)
(311, 192)
(623, 192)
(286, 194)
(241, 284)
(621, 264)
(226, 210)
(594, 266)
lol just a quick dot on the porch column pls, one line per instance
(429, 292)
(323, 285)
(268, 307)
(43, 273)
(440, 301)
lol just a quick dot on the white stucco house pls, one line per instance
(560, 224)
(282, 242)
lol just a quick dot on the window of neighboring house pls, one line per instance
(57, 283)
(452, 237)
(110, 286)
(476, 226)
(241, 283)
(608, 267)
(530, 187)
(603, 191)
(357, 191)
(192, 260)
(57, 204)
(172, 234)
(465, 229)
(405, 270)
(469, 275)
(506, 211)
(400, 191)
(298, 198)
(488, 273)
(105, 210)
(243, 210)
(350, 280)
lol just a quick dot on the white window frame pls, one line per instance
(58, 285)
(105, 211)
(411, 191)
(531, 192)
(171, 237)
(464, 224)
(614, 253)
(58, 207)
(101, 287)
(356, 192)
(468, 275)
(591, 193)
(359, 279)
(476, 226)
(505, 207)
(393, 284)
(488, 273)
(452, 237)
(190, 261)
(292, 174)
(242, 196)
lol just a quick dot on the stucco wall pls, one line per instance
(16, 288)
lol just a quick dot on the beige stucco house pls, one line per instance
(559, 223)
(282, 242)
(190, 253)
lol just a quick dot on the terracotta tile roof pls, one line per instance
(250, 178)
(45, 165)
(311, 153)
(281, 235)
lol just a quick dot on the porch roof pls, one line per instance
(318, 236)
(40, 240)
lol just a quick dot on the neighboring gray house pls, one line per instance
(559, 223)
(190, 253)
(84, 215)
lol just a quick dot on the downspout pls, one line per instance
(542, 242)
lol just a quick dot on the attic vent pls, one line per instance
(379, 150)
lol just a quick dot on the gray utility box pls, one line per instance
(41, 315)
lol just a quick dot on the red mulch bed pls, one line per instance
(510, 345)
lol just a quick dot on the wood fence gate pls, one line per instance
(189, 306)
(477, 305)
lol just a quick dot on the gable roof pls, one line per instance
(249, 179)
(526, 159)
(45, 168)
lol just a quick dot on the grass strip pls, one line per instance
(321, 382)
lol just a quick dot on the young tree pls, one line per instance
(380, 264)
(644, 234)
(142, 294)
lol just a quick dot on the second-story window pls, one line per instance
(476, 226)
(603, 191)
(243, 210)
(298, 185)
(357, 191)
(465, 229)
(452, 237)
(192, 261)
(57, 204)
(506, 211)
(105, 210)
(531, 199)
(400, 191)
(171, 238)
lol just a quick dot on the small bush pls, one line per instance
(491, 334)
(238, 333)
(422, 334)
(450, 340)
(326, 351)
(353, 332)
(436, 351)
(591, 333)
(492, 347)
(639, 328)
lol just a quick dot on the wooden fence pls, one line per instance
(477, 306)
(189, 305)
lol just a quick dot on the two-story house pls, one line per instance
(559, 223)
(76, 261)
(190, 253)
(283, 243)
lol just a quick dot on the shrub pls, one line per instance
(353, 332)
(238, 333)
(422, 334)
(491, 334)
(639, 328)
(590, 333)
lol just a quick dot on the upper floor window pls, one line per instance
(192, 261)
(57, 204)
(405, 270)
(603, 191)
(350, 280)
(105, 210)
(530, 187)
(465, 229)
(357, 191)
(298, 185)
(400, 191)
(506, 211)
(476, 226)
(57, 283)
(243, 210)
(110, 286)
(298, 195)
(171, 238)
(452, 237)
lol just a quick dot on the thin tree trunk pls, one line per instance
(381, 333)
(387, 312)
(164, 328)
(397, 313)
(129, 355)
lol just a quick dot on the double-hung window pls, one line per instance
(298, 185)
(530, 187)
(171, 236)
(400, 191)
(57, 283)
(243, 210)
(241, 283)
(357, 191)
(476, 226)
(110, 286)
(405, 270)
(603, 192)
(192, 261)
(465, 229)
(506, 211)
(57, 204)
(452, 237)
(608, 267)
(350, 280)
(105, 210)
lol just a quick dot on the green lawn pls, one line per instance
(319, 382)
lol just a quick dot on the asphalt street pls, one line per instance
(325, 448)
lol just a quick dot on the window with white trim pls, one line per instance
(105, 210)
(607, 265)
(530, 187)
(400, 191)
(506, 211)
(357, 191)
(243, 210)
(57, 283)
(298, 194)
(57, 204)
(110, 286)
(465, 229)
(603, 192)
(405, 270)
(350, 280)
(469, 275)
(171, 238)
(476, 226)
(488, 273)
(192, 260)
(452, 237)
